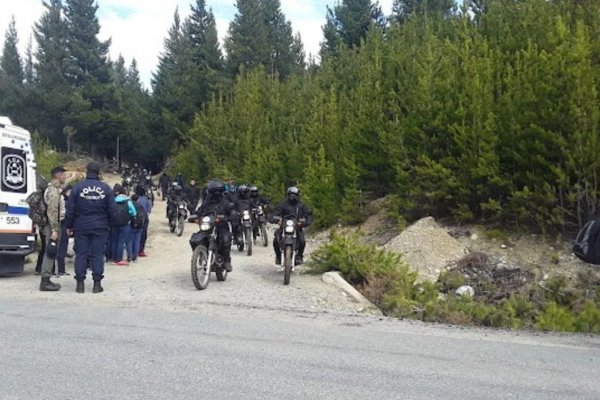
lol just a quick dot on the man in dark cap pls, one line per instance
(89, 212)
(55, 211)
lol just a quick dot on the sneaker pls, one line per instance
(143, 254)
(134, 261)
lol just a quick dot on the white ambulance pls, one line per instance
(17, 181)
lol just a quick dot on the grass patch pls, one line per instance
(553, 304)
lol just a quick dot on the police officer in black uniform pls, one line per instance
(303, 214)
(216, 203)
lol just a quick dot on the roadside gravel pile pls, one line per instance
(427, 248)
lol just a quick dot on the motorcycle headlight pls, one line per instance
(260, 210)
(246, 215)
(289, 229)
(289, 222)
(204, 226)
(182, 207)
(206, 220)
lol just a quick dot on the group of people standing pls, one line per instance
(103, 221)
(129, 230)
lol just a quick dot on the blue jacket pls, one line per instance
(145, 203)
(90, 207)
(122, 199)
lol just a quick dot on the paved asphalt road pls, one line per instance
(70, 352)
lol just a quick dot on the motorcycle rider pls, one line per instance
(256, 199)
(303, 214)
(242, 203)
(174, 197)
(216, 203)
(164, 182)
(192, 195)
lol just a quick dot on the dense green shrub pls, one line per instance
(385, 279)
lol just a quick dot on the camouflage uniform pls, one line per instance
(56, 210)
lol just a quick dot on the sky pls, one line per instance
(138, 27)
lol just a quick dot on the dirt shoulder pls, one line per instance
(163, 281)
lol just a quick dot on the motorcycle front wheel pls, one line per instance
(180, 226)
(264, 234)
(200, 268)
(288, 265)
(249, 241)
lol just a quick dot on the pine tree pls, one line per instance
(11, 62)
(95, 113)
(261, 35)
(403, 9)
(12, 93)
(348, 23)
(247, 42)
(51, 90)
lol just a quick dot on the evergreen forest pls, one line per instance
(483, 110)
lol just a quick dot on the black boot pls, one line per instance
(97, 287)
(299, 260)
(277, 258)
(48, 286)
(80, 287)
(227, 265)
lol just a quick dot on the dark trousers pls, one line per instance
(89, 249)
(40, 258)
(62, 250)
(163, 192)
(301, 241)
(224, 241)
(144, 237)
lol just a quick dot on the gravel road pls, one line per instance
(163, 281)
(152, 335)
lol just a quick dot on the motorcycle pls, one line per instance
(178, 217)
(289, 244)
(127, 185)
(245, 241)
(205, 256)
(150, 194)
(260, 225)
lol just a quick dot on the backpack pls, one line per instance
(121, 216)
(140, 218)
(587, 243)
(37, 209)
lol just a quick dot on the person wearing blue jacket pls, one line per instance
(121, 229)
(88, 217)
(146, 204)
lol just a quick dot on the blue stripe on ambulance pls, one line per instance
(18, 210)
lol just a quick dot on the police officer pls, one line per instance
(303, 214)
(173, 198)
(256, 199)
(217, 204)
(89, 212)
(242, 202)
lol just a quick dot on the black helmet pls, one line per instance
(243, 191)
(253, 191)
(293, 194)
(216, 189)
(215, 185)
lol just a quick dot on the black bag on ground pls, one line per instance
(140, 218)
(121, 217)
(587, 243)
